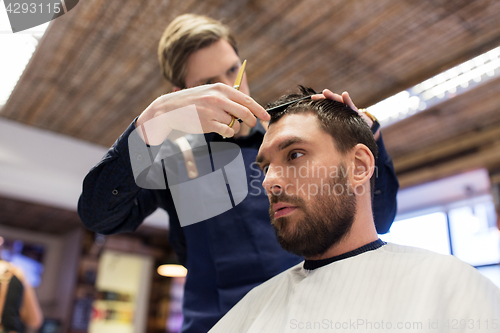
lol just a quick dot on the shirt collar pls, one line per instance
(313, 264)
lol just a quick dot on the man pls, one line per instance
(319, 157)
(231, 253)
(19, 304)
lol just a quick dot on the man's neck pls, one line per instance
(362, 232)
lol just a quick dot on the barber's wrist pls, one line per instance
(375, 125)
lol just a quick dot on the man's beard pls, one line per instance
(327, 220)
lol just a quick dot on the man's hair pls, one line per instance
(345, 125)
(185, 35)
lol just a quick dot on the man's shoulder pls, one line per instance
(435, 275)
(244, 314)
(411, 251)
(420, 255)
(261, 294)
(431, 263)
(294, 272)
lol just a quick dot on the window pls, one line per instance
(474, 234)
(426, 231)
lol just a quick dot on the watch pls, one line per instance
(376, 125)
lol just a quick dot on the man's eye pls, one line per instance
(265, 169)
(208, 82)
(295, 155)
(233, 69)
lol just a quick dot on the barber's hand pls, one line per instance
(346, 99)
(215, 103)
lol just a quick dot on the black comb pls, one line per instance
(283, 106)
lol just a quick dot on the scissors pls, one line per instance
(239, 78)
(236, 86)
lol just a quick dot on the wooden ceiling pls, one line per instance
(41, 218)
(36, 217)
(96, 67)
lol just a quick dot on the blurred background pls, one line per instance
(429, 70)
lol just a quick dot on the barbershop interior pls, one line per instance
(428, 71)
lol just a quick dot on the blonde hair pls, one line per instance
(185, 35)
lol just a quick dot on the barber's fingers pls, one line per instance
(218, 121)
(348, 101)
(236, 127)
(344, 98)
(255, 109)
(226, 120)
(317, 97)
(333, 96)
(328, 94)
(220, 108)
(224, 130)
(240, 112)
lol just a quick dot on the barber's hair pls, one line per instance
(185, 35)
(345, 125)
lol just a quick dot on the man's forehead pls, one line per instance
(283, 141)
(303, 125)
(270, 147)
(289, 130)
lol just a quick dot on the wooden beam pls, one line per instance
(488, 157)
(453, 146)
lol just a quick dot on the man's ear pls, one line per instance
(364, 164)
(176, 88)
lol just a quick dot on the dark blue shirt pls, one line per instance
(227, 255)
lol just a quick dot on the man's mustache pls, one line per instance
(285, 198)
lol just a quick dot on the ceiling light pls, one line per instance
(172, 270)
(443, 86)
(17, 50)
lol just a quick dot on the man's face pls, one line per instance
(215, 63)
(312, 205)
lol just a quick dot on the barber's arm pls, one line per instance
(111, 201)
(386, 190)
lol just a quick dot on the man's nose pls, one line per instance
(274, 181)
